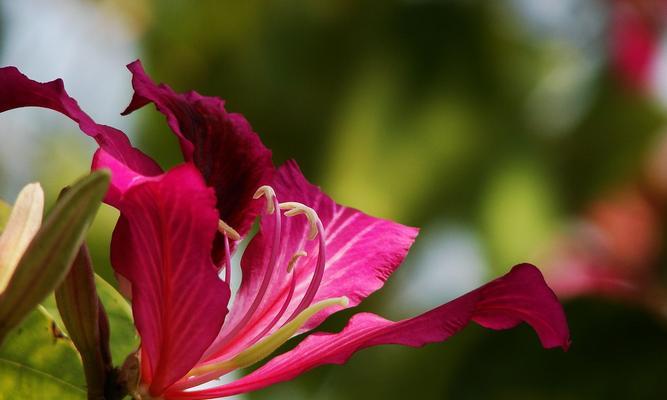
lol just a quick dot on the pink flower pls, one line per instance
(635, 32)
(311, 257)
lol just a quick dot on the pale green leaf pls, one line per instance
(38, 362)
(49, 304)
(23, 223)
(124, 338)
(5, 210)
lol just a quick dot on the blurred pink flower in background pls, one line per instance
(637, 28)
(613, 250)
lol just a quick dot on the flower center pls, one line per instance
(261, 345)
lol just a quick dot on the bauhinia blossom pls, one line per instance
(311, 256)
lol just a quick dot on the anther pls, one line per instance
(293, 208)
(270, 194)
(294, 259)
(228, 230)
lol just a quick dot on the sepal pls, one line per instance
(86, 321)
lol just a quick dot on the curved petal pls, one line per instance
(122, 176)
(362, 252)
(162, 245)
(520, 296)
(20, 91)
(222, 145)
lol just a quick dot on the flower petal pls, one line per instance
(122, 176)
(362, 252)
(162, 245)
(520, 296)
(20, 91)
(222, 145)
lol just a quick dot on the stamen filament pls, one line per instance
(280, 313)
(228, 262)
(315, 282)
(262, 349)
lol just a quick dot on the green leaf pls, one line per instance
(124, 338)
(50, 254)
(38, 362)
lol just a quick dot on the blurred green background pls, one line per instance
(492, 125)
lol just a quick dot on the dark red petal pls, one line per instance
(362, 252)
(162, 245)
(520, 296)
(20, 91)
(222, 145)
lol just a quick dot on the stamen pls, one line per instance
(262, 349)
(270, 195)
(268, 273)
(294, 259)
(286, 302)
(228, 230)
(293, 208)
